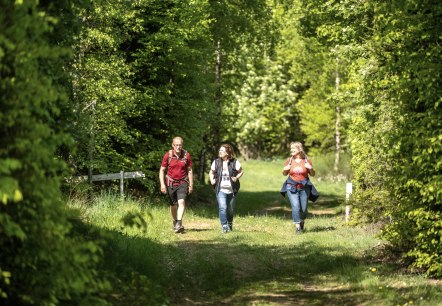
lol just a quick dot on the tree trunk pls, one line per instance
(91, 147)
(202, 166)
(338, 122)
(244, 151)
(218, 95)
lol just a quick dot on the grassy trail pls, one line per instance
(262, 262)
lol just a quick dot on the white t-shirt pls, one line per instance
(226, 186)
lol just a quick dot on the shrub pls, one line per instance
(42, 262)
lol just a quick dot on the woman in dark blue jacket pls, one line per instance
(298, 186)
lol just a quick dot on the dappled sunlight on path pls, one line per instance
(263, 262)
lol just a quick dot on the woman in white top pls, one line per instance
(224, 176)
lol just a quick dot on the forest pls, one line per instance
(95, 87)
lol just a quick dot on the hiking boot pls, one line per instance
(225, 229)
(298, 231)
(178, 228)
(302, 225)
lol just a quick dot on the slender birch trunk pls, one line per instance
(338, 120)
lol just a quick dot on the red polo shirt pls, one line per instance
(177, 169)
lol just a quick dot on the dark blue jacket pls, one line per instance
(313, 194)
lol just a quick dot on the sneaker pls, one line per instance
(174, 223)
(178, 228)
(298, 231)
(225, 229)
(302, 225)
(230, 226)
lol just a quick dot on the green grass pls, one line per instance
(261, 262)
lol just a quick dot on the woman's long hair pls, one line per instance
(229, 150)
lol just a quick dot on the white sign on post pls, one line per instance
(348, 190)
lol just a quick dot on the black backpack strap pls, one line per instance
(170, 157)
(185, 157)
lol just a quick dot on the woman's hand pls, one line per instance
(286, 170)
(309, 168)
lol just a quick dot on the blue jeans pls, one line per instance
(298, 201)
(226, 204)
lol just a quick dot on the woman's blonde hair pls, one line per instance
(300, 148)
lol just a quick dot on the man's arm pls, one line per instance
(190, 175)
(161, 176)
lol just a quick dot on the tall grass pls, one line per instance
(262, 262)
(324, 165)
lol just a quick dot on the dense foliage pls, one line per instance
(141, 76)
(42, 262)
(394, 89)
(103, 86)
(410, 72)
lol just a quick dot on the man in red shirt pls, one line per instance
(178, 181)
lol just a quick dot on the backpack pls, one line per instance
(170, 180)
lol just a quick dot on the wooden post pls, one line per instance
(348, 192)
(122, 183)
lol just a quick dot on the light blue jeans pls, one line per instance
(226, 204)
(298, 201)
